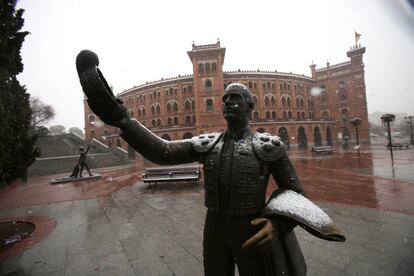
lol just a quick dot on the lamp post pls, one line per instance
(410, 121)
(387, 119)
(356, 122)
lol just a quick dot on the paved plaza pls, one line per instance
(134, 231)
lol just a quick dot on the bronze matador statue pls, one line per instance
(241, 227)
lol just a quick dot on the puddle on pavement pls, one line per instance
(12, 232)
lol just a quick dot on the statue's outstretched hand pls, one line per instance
(101, 100)
(262, 240)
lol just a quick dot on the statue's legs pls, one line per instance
(82, 166)
(87, 168)
(223, 238)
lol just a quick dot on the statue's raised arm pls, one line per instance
(111, 111)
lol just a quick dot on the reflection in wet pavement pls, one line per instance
(367, 179)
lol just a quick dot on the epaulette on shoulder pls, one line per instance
(268, 147)
(205, 142)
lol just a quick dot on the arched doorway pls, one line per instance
(345, 137)
(187, 135)
(328, 136)
(284, 135)
(166, 137)
(302, 140)
(317, 139)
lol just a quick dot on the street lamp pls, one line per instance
(410, 121)
(356, 122)
(387, 119)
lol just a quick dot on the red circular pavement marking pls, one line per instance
(43, 227)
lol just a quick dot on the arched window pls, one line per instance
(285, 116)
(250, 85)
(268, 85)
(168, 107)
(297, 102)
(298, 115)
(152, 110)
(310, 103)
(201, 69)
(343, 98)
(261, 130)
(187, 105)
(175, 106)
(255, 102)
(290, 115)
(185, 90)
(268, 115)
(158, 122)
(208, 85)
(214, 67)
(303, 115)
(302, 102)
(187, 135)
(283, 101)
(158, 109)
(190, 89)
(344, 115)
(288, 101)
(169, 121)
(176, 121)
(267, 101)
(209, 105)
(153, 123)
(254, 85)
(274, 117)
(273, 101)
(194, 119)
(188, 120)
(91, 118)
(255, 116)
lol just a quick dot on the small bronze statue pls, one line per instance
(240, 227)
(77, 170)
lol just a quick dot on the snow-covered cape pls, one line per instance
(296, 207)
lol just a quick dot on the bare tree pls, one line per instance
(41, 112)
(57, 129)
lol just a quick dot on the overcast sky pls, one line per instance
(139, 41)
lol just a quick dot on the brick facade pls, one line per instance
(302, 110)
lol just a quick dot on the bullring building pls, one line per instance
(285, 103)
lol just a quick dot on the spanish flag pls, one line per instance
(357, 37)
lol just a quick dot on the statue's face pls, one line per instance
(235, 107)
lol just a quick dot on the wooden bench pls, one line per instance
(155, 175)
(399, 145)
(322, 149)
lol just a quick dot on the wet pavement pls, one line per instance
(129, 230)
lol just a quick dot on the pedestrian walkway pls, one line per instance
(135, 233)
